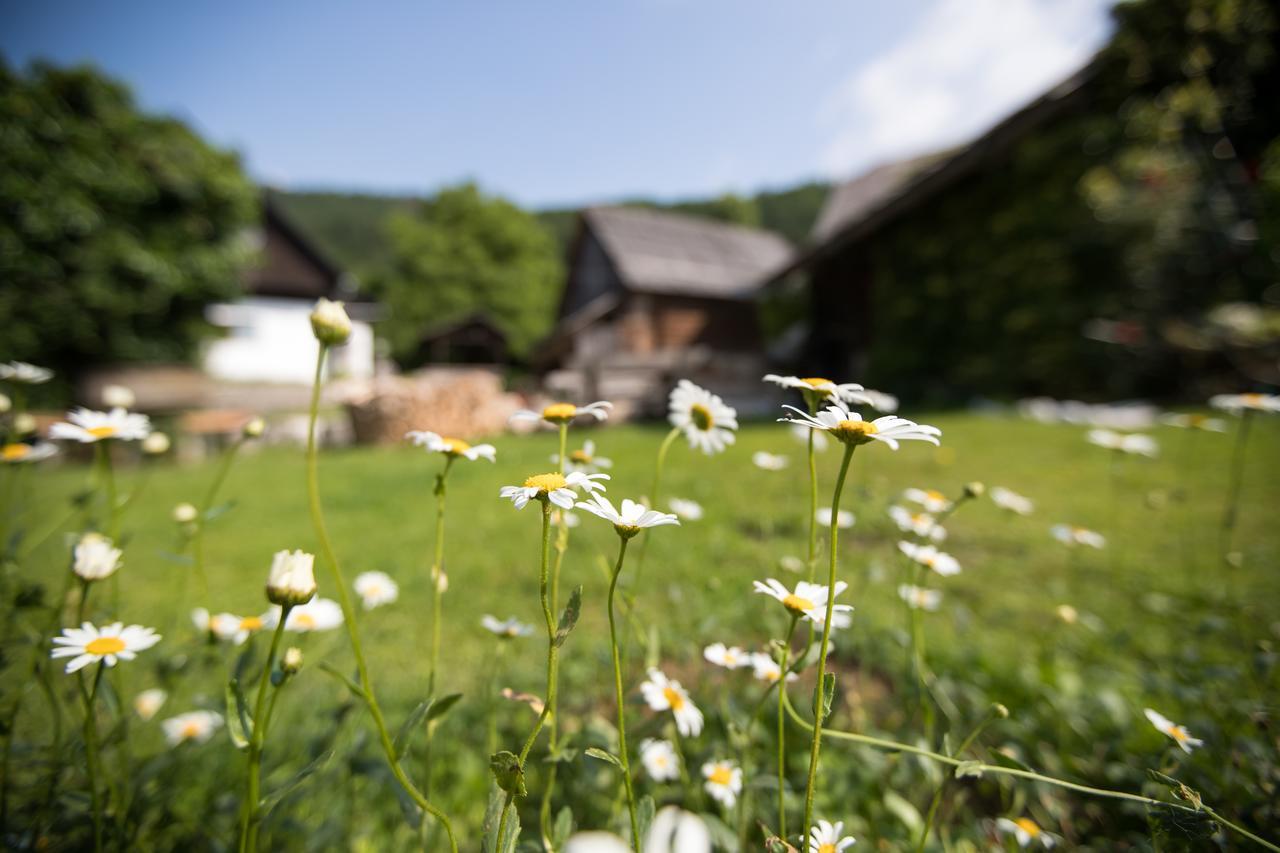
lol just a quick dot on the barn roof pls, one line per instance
(855, 198)
(661, 252)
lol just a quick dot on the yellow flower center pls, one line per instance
(855, 432)
(101, 431)
(1178, 733)
(192, 729)
(14, 452)
(251, 623)
(673, 697)
(1251, 399)
(721, 775)
(305, 620)
(1079, 531)
(817, 383)
(581, 457)
(560, 412)
(104, 646)
(456, 446)
(701, 417)
(826, 848)
(1196, 420)
(1028, 826)
(935, 495)
(798, 604)
(545, 483)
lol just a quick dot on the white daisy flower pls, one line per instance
(880, 401)
(703, 417)
(584, 459)
(724, 781)
(557, 488)
(88, 426)
(845, 518)
(148, 703)
(196, 726)
(1069, 534)
(659, 759)
(452, 447)
(1180, 735)
(801, 433)
(506, 628)
(318, 614)
(201, 620)
(376, 589)
(931, 558)
(292, 578)
(919, 523)
(677, 831)
(27, 374)
(663, 694)
(20, 451)
(850, 428)
(95, 557)
(1238, 403)
(1025, 831)
(118, 397)
(564, 517)
(729, 657)
(919, 598)
(817, 390)
(1067, 613)
(562, 413)
(1010, 500)
(1134, 443)
(185, 513)
(687, 509)
(231, 628)
(631, 519)
(768, 461)
(156, 443)
(824, 837)
(809, 601)
(89, 644)
(767, 669)
(595, 841)
(932, 500)
(1204, 423)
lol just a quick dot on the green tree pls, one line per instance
(116, 227)
(461, 252)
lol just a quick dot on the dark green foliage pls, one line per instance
(116, 227)
(349, 227)
(463, 252)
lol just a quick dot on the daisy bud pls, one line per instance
(254, 428)
(330, 323)
(974, 489)
(185, 513)
(292, 661)
(24, 423)
(117, 397)
(156, 443)
(95, 558)
(5, 404)
(292, 580)
(1000, 710)
(1068, 614)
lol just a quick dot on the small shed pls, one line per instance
(473, 339)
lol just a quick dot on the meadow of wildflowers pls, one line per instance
(854, 628)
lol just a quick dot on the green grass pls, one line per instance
(1165, 622)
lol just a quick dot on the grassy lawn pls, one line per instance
(1163, 620)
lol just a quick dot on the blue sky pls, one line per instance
(568, 102)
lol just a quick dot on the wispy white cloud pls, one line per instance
(962, 67)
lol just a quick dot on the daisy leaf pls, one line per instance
(569, 618)
(645, 810)
(604, 755)
(239, 722)
(270, 801)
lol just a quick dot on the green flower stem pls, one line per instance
(1233, 487)
(93, 758)
(653, 493)
(113, 513)
(249, 813)
(995, 769)
(562, 544)
(437, 572)
(812, 559)
(782, 723)
(348, 614)
(826, 643)
(621, 697)
(197, 537)
(564, 445)
(553, 659)
(996, 713)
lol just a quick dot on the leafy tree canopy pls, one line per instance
(461, 252)
(116, 227)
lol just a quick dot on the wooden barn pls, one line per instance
(654, 296)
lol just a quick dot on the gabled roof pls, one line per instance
(291, 264)
(851, 200)
(661, 252)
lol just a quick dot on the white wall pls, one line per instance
(270, 340)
